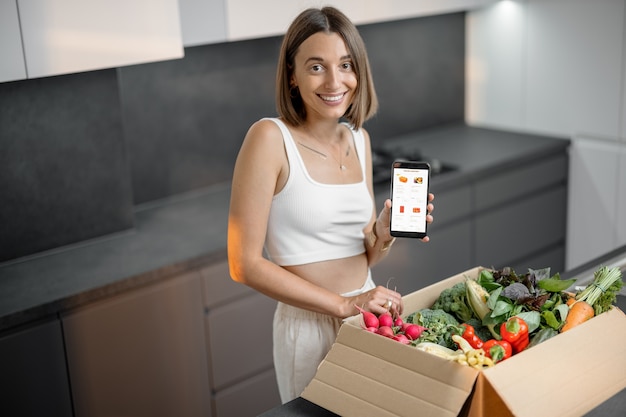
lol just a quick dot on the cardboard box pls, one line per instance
(365, 374)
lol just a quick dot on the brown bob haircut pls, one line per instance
(327, 20)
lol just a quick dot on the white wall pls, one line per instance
(558, 67)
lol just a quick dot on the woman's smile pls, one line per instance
(332, 98)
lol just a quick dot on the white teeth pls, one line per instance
(332, 98)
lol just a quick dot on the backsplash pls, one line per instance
(79, 152)
(64, 172)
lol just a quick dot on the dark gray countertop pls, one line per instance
(173, 236)
(168, 239)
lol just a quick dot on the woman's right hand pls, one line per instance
(379, 300)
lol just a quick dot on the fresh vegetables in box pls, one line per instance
(480, 322)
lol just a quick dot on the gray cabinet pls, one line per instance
(142, 353)
(33, 376)
(521, 216)
(238, 323)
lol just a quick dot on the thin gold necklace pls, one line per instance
(322, 155)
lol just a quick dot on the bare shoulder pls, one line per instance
(264, 129)
(262, 151)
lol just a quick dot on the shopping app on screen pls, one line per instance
(410, 195)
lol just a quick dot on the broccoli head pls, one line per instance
(440, 326)
(453, 300)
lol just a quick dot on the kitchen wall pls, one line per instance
(559, 67)
(79, 152)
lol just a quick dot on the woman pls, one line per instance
(302, 190)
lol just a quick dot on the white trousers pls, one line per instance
(302, 338)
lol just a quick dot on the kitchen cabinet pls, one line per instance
(12, 65)
(522, 212)
(246, 19)
(67, 36)
(596, 199)
(239, 354)
(517, 231)
(202, 21)
(34, 380)
(142, 353)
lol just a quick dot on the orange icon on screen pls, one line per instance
(403, 178)
(418, 180)
(401, 209)
(416, 210)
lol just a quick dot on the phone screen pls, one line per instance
(409, 198)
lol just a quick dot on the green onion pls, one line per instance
(603, 279)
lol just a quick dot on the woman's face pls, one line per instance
(325, 76)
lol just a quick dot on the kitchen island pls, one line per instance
(93, 309)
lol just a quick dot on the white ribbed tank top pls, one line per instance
(311, 221)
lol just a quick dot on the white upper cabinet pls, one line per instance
(53, 37)
(203, 21)
(250, 19)
(11, 55)
(554, 67)
(66, 36)
(575, 66)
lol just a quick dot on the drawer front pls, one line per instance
(240, 339)
(520, 182)
(521, 229)
(553, 259)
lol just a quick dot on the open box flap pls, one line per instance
(394, 379)
(569, 374)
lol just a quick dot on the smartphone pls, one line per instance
(410, 182)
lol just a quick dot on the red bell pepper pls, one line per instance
(497, 350)
(515, 331)
(471, 337)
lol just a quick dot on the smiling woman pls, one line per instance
(302, 193)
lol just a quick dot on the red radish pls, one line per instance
(385, 319)
(413, 331)
(401, 338)
(369, 318)
(385, 331)
(398, 322)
